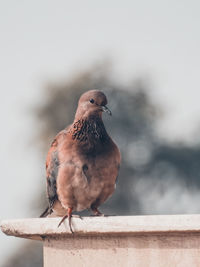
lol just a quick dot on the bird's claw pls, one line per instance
(69, 219)
(97, 212)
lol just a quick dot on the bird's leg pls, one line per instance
(69, 216)
(96, 211)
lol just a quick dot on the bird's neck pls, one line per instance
(89, 130)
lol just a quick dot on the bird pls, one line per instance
(83, 162)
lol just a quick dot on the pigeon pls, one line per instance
(83, 161)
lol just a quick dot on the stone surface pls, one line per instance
(37, 228)
(148, 250)
(150, 241)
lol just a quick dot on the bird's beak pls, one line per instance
(107, 110)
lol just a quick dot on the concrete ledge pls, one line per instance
(153, 241)
(39, 228)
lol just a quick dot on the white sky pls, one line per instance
(45, 40)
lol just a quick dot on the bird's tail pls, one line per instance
(47, 211)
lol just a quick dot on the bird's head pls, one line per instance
(92, 103)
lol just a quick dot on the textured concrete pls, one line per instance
(149, 241)
(134, 251)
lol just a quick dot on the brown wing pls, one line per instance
(52, 166)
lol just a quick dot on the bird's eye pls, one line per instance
(92, 101)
